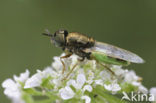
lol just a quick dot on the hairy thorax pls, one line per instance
(77, 40)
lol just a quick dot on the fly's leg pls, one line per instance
(80, 53)
(107, 68)
(70, 71)
(66, 56)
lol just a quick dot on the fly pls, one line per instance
(87, 47)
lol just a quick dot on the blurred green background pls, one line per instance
(130, 24)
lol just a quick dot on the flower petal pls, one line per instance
(23, 76)
(143, 89)
(105, 75)
(81, 79)
(57, 65)
(12, 90)
(34, 81)
(66, 93)
(88, 88)
(130, 76)
(86, 98)
(72, 82)
(8, 83)
(99, 82)
(114, 87)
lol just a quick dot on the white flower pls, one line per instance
(86, 98)
(13, 88)
(78, 84)
(142, 89)
(130, 76)
(74, 60)
(118, 70)
(36, 79)
(23, 76)
(81, 79)
(57, 83)
(57, 64)
(99, 82)
(66, 93)
(105, 75)
(69, 62)
(114, 87)
(153, 92)
(135, 83)
(88, 88)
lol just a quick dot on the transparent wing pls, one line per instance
(116, 52)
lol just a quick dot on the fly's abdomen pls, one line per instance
(100, 57)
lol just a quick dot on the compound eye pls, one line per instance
(66, 32)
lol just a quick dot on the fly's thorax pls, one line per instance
(79, 40)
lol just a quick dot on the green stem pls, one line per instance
(104, 97)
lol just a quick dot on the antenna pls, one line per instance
(48, 33)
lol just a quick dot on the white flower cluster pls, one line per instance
(13, 88)
(82, 84)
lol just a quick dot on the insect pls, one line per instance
(87, 47)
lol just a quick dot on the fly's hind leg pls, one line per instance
(107, 68)
(66, 56)
(70, 71)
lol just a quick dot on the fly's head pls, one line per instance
(58, 38)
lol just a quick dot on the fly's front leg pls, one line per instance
(66, 56)
(81, 54)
